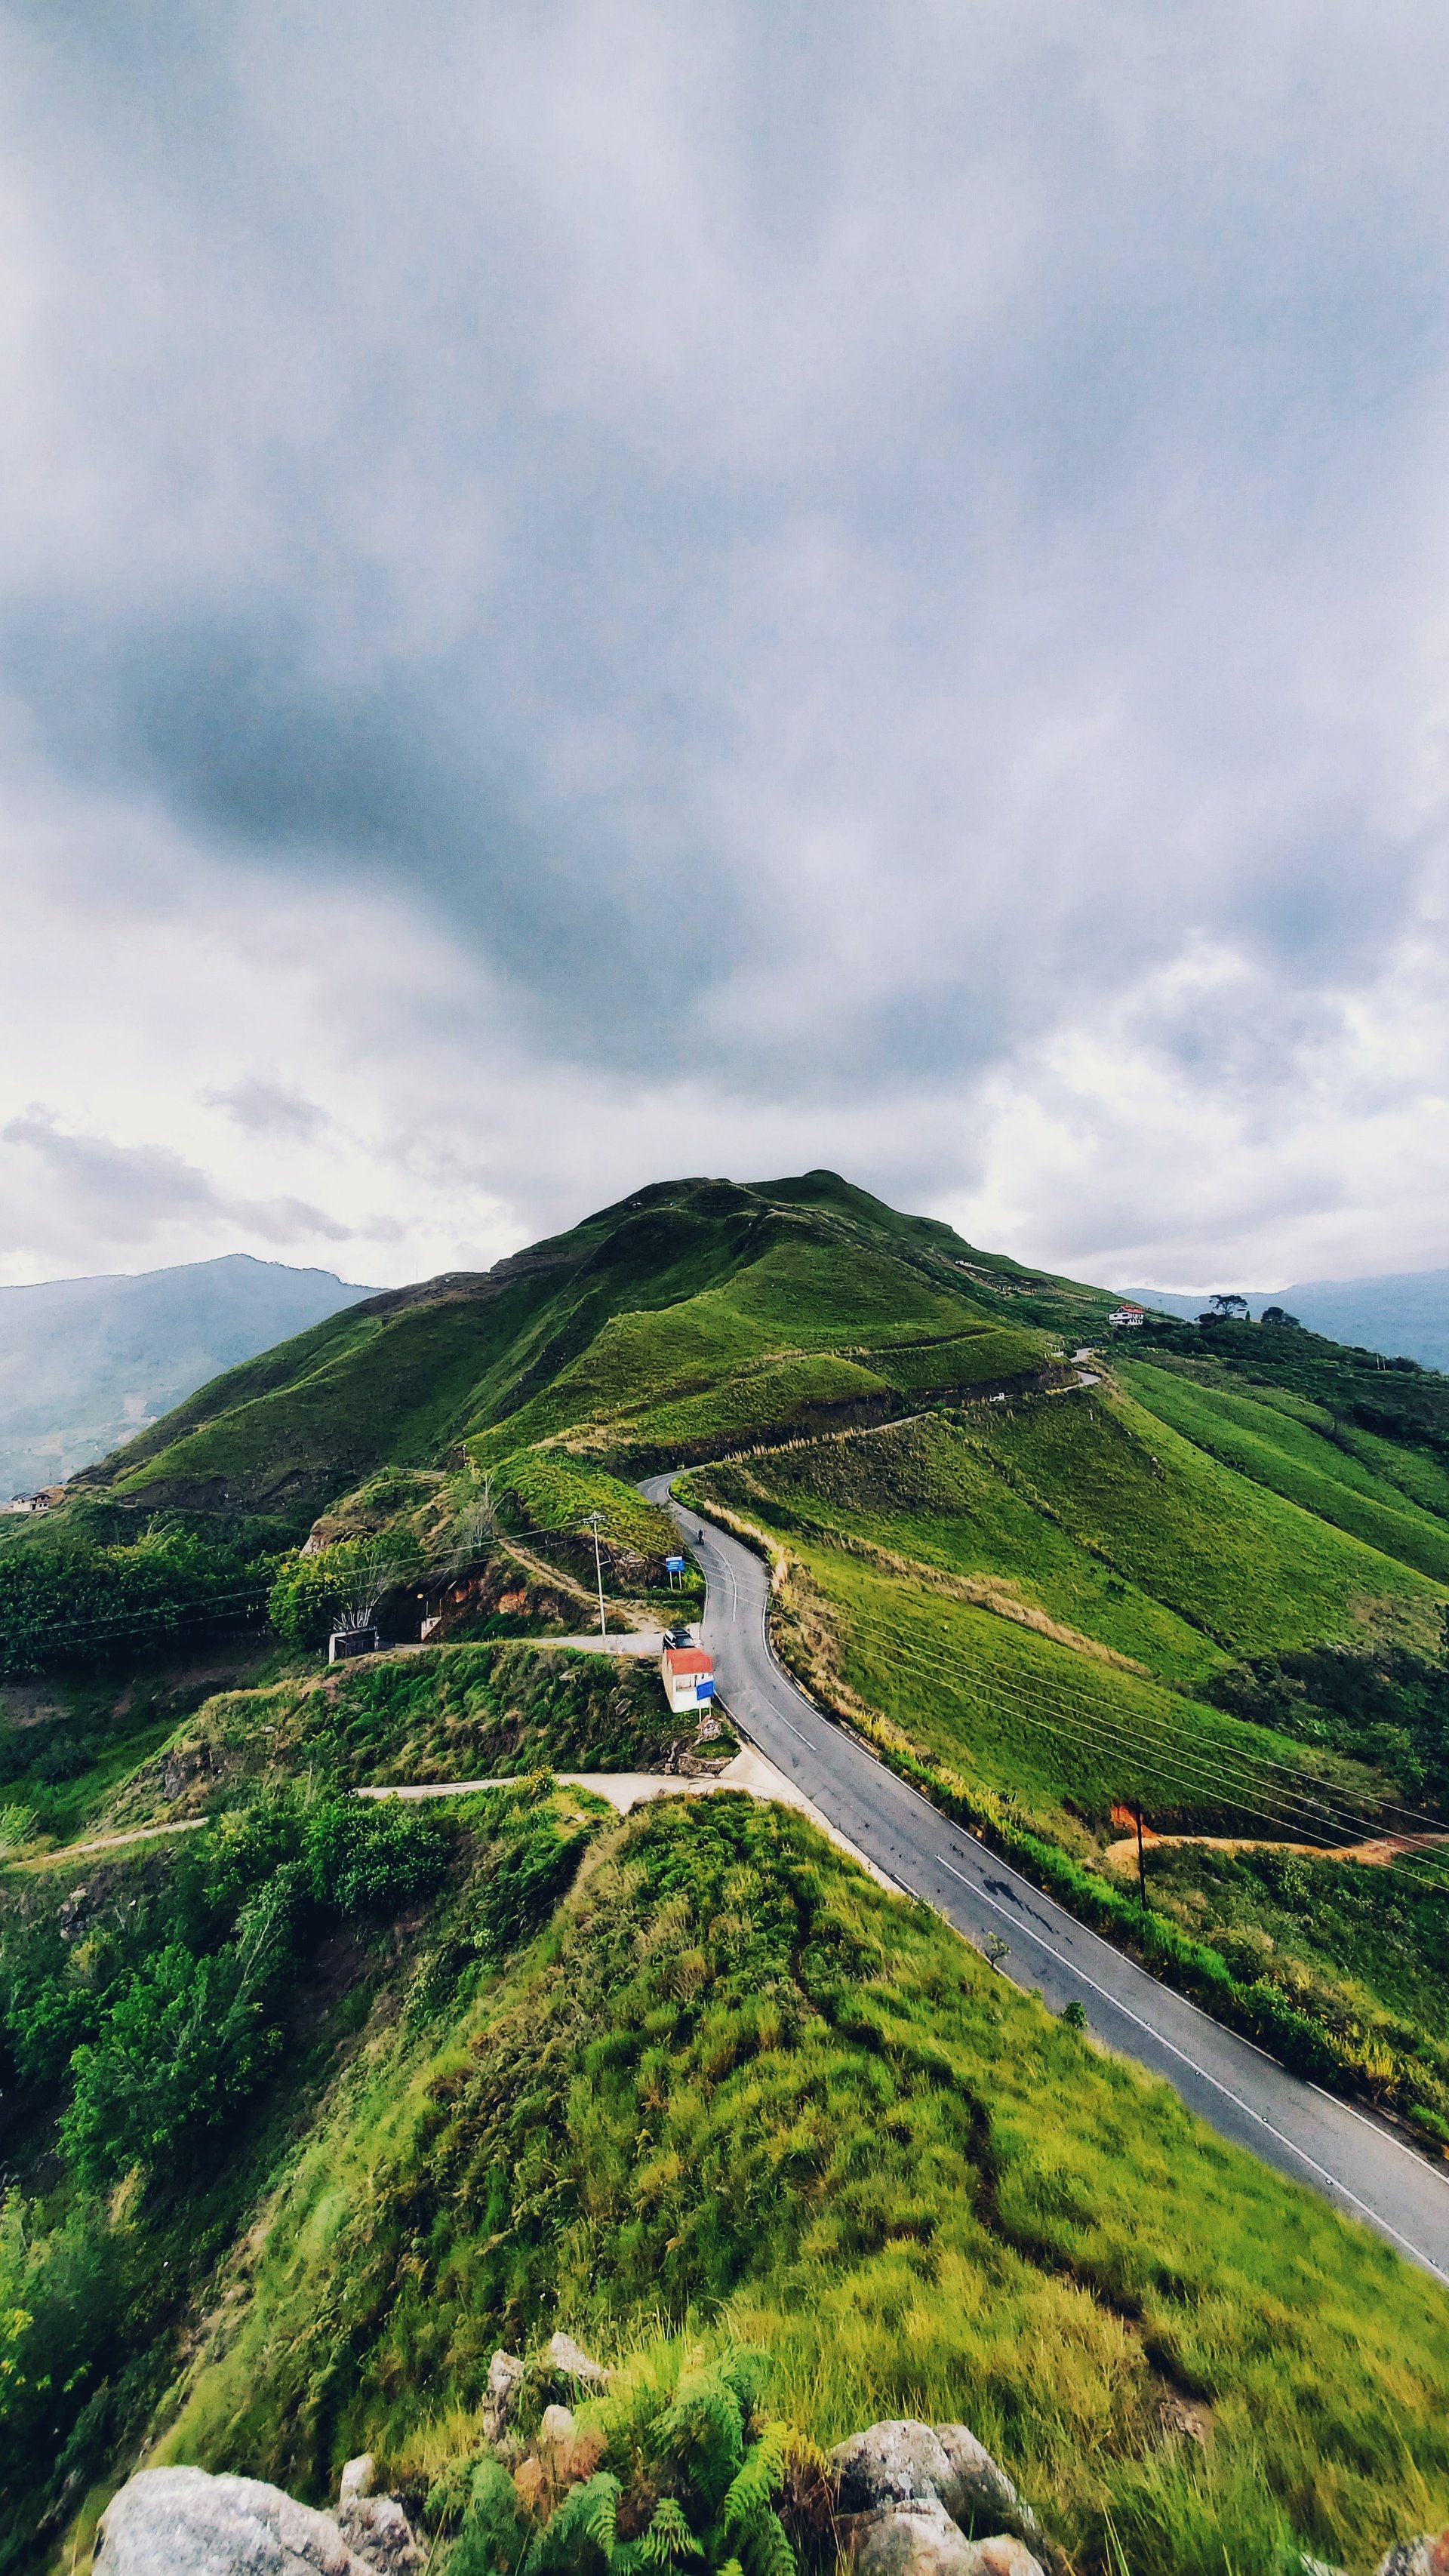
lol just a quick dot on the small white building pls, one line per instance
(1127, 1318)
(688, 1677)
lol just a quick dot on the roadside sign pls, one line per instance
(704, 1689)
(674, 1565)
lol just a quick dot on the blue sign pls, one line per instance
(674, 1565)
(705, 1689)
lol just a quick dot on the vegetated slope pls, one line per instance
(85, 1362)
(733, 2082)
(691, 1316)
(1039, 1594)
(1059, 1610)
(1286, 1443)
(789, 1272)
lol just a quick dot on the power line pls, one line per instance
(1194, 1772)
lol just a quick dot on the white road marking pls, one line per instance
(1374, 2215)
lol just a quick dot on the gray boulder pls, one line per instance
(913, 2538)
(183, 2522)
(377, 2531)
(978, 2490)
(505, 2371)
(888, 2464)
(1004, 2555)
(573, 2362)
(918, 2538)
(359, 2477)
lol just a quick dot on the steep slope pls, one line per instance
(796, 1270)
(310, 2104)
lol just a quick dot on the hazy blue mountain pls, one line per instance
(1404, 1314)
(84, 1363)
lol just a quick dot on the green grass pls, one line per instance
(972, 1359)
(933, 1491)
(559, 1491)
(736, 2088)
(1254, 1571)
(1068, 1734)
(1038, 1734)
(653, 1302)
(471, 1712)
(1291, 1456)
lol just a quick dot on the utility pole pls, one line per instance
(594, 1520)
(1141, 1863)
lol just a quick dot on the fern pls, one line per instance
(668, 2537)
(765, 2548)
(705, 2429)
(758, 2481)
(585, 2527)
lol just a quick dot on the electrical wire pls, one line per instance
(1192, 1770)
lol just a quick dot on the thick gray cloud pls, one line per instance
(865, 583)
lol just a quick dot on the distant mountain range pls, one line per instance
(86, 1363)
(1404, 1314)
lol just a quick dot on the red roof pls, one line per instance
(687, 1659)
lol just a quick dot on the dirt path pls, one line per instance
(1378, 1854)
(111, 1842)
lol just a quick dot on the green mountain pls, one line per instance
(308, 2102)
(688, 1309)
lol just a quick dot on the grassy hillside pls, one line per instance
(661, 1297)
(683, 2085)
(1287, 1446)
(310, 2103)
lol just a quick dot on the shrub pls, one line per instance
(185, 2044)
(367, 1856)
(343, 1585)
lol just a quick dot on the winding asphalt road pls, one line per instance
(1352, 2159)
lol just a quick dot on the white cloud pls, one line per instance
(595, 591)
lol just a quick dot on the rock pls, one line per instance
(1004, 2555)
(504, 2374)
(894, 2463)
(183, 2522)
(557, 2425)
(1428, 2555)
(916, 2537)
(573, 2362)
(359, 2477)
(378, 2532)
(977, 2489)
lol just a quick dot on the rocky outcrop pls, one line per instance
(571, 2361)
(904, 2491)
(979, 2490)
(888, 2464)
(184, 2522)
(377, 2531)
(505, 2374)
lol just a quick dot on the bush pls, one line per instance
(367, 1856)
(68, 1603)
(185, 2045)
(340, 1585)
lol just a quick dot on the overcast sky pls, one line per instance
(594, 592)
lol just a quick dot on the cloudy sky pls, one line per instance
(589, 592)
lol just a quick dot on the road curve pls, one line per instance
(1352, 2159)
